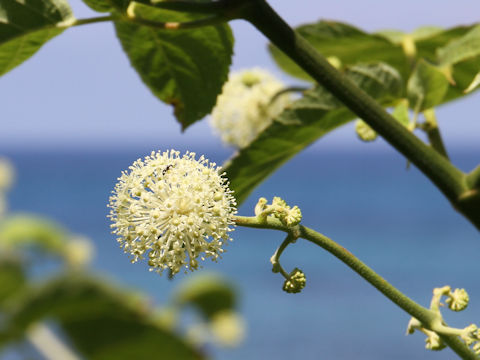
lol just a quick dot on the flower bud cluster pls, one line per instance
(296, 282)
(289, 216)
(172, 209)
(433, 342)
(456, 300)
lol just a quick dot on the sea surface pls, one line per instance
(390, 217)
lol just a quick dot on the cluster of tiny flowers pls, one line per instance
(173, 209)
(296, 282)
(433, 342)
(289, 216)
(246, 106)
(457, 300)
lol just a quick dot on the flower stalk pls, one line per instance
(428, 318)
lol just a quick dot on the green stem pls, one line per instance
(425, 316)
(275, 260)
(440, 171)
(286, 91)
(433, 132)
(473, 179)
(93, 20)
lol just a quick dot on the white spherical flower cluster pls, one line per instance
(245, 107)
(172, 209)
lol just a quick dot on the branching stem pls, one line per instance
(441, 172)
(275, 259)
(427, 317)
(287, 90)
(93, 20)
(433, 132)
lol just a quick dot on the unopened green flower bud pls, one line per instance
(261, 205)
(457, 300)
(364, 131)
(296, 282)
(278, 201)
(433, 342)
(476, 347)
(469, 334)
(293, 217)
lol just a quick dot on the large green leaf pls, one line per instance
(102, 323)
(345, 42)
(305, 121)
(427, 86)
(352, 46)
(463, 48)
(100, 5)
(184, 68)
(25, 25)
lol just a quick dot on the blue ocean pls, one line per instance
(389, 216)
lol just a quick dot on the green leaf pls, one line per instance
(100, 5)
(208, 293)
(352, 46)
(102, 323)
(184, 68)
(26, 25)
(474, 84)
(347, 43)
(304, 122)
(463, 48)
(427, 86)
(381, 81)
(421, 33)
(400, 112)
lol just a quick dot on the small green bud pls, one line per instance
(296, 282)
(469, 334)
(364, 131)
(261, 205)
(278, 201)
(250, 79)
(293, 217)
(476, 347)
(433, 342)
(457, 300)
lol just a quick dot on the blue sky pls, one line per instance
(80, 91)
